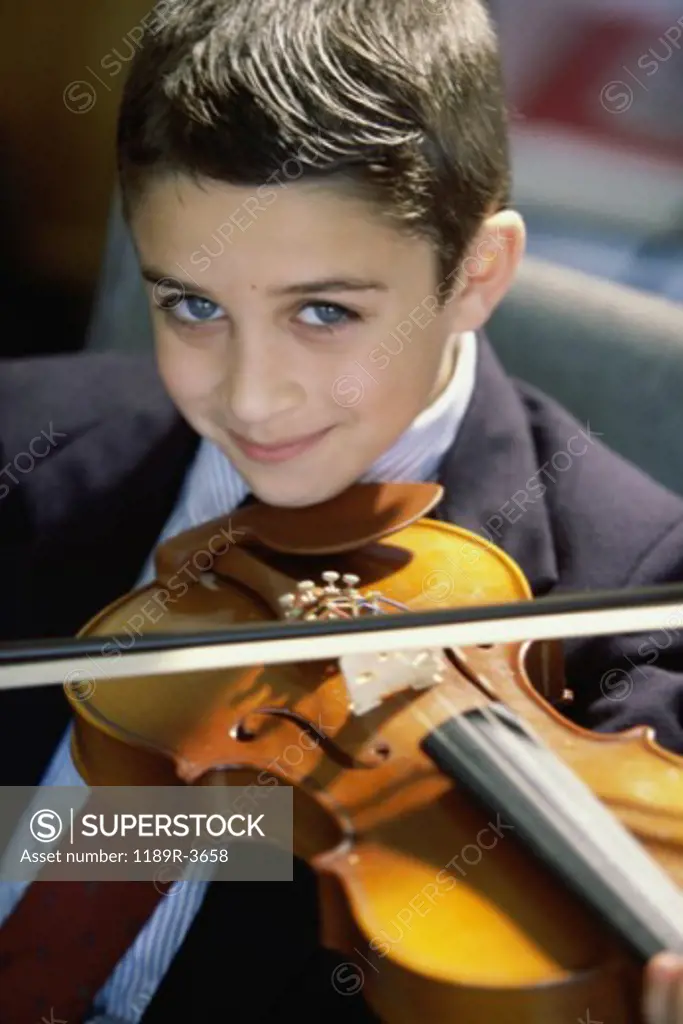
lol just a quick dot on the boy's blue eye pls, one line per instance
(330, 314)
(194, 309)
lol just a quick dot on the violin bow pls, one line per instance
(599, 613)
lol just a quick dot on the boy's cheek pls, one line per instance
(188, 374)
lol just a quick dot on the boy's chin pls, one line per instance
(294, 494)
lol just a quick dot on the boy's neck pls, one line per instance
(448, 367)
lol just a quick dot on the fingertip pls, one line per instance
(665, 964)
(662, 973)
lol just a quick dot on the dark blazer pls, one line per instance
(77, 523)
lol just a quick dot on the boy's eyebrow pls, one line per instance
(328, 284)
(332, 284)
(155, 277)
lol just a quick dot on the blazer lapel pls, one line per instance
(491, 475)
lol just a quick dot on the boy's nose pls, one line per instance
(261, 391)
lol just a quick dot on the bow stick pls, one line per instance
(600, 613)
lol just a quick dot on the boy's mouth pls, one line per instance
(277, 452)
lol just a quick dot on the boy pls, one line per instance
(318, 195)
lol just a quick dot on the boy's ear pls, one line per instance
(488, 270)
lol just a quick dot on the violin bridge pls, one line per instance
(371, 678)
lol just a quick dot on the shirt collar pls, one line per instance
(419, 451)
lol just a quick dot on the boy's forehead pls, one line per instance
(309, 226)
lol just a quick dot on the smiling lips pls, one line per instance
(277, 452)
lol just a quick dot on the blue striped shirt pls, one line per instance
(212, 487)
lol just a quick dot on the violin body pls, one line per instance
(436, 898)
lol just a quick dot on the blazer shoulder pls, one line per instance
(606, 513)
(82, 436)
(75, 392)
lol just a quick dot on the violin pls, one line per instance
(490, 859)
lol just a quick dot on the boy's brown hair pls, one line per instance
(401, 99)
